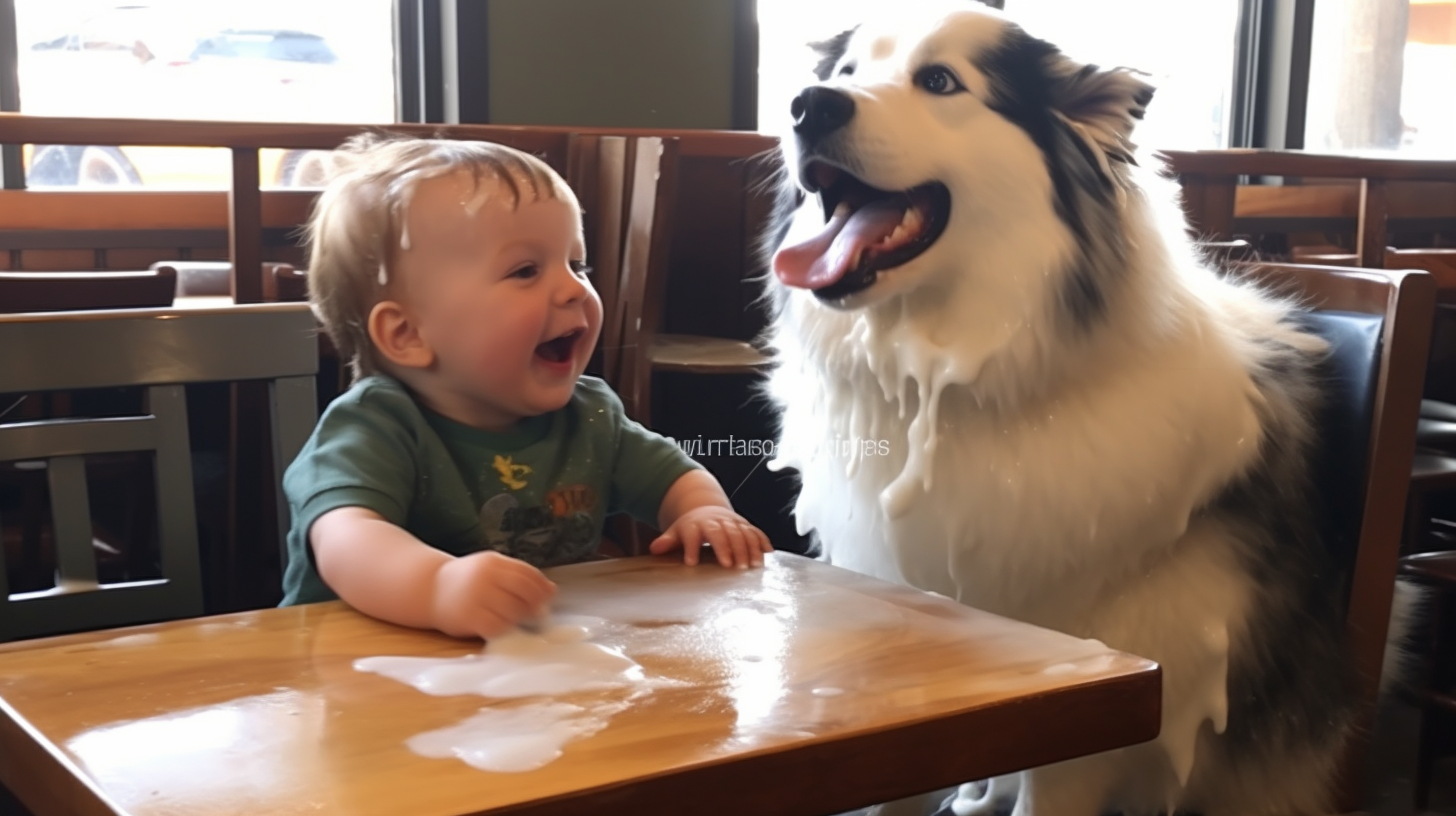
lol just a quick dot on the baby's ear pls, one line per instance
(397, 337)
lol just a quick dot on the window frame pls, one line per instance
(418, 74)
(1271, 90)
(12, 167)
(1270, 86)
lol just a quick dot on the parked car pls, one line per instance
(168, 61)
(276, 45)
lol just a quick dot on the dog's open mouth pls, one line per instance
(866, 231)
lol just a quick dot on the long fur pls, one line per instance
(1087, 428)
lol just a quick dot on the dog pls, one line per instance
(1088, 429)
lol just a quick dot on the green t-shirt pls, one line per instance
(539, 492)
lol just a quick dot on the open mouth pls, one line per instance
(559, 350)
(867, 231)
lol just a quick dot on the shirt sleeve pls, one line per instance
(361, 454)
(645, 466)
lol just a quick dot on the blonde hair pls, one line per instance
(359, 221)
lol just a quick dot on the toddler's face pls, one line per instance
(499, 293)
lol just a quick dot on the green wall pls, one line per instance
(611, 63)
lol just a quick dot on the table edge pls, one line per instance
(776, 771)
(40, 774)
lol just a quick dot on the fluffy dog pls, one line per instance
(1087, 428)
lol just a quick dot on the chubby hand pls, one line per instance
(735, 541)
(486, 594)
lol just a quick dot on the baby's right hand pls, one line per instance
(486, 594)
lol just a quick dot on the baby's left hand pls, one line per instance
(735, 542)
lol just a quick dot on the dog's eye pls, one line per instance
(939, 80)
(847, 70)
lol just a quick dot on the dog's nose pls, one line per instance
(820, 111)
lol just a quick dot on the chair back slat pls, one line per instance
(73, 291)
(80, 350)
(292, 414)
(65, 437)
(71, 521)
(611, 194)
(653, 166)
(177, 520)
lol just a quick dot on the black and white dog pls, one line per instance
(1088, 430)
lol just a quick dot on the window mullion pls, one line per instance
(12, 168)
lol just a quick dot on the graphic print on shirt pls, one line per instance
(556, 532)
(510, 472)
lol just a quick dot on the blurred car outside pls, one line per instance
(190, 61)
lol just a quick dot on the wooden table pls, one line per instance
(803, 689)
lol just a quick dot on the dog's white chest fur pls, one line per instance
(1076, 512)
(905, 476)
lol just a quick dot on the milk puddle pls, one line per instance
(523, 737)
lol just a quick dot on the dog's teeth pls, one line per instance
(842, 210)
(912, 219)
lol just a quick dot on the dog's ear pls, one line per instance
(1104, 106)
(830, 52)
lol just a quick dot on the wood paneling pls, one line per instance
(56, 260)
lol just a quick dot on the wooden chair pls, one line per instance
(202, 278)
(632, 330)
(596, 171)
(1212, 189)
(628, 186)
(1224, 254)
(214, 279)
(1378, 324)
(1440, 262)
(1436, 696)
(161, 351)
(285, 283)
(1437, 428)
(78, 291)
(1323, 255)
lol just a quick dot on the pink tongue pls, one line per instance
(825, 258)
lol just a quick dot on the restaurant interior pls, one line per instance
(162, 365)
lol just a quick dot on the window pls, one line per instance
(785, 62)
(1380, 76)
(239, 60)
(1194, 74)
